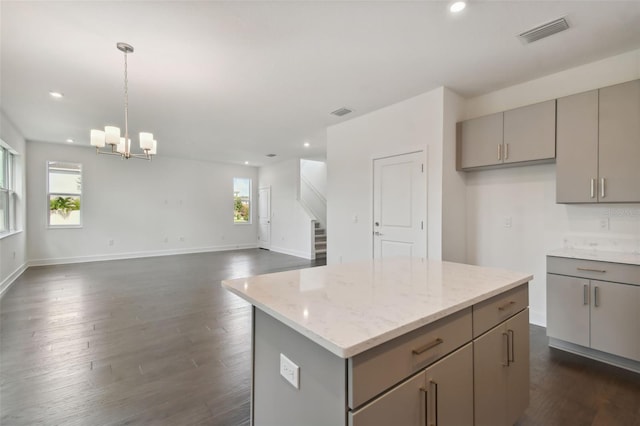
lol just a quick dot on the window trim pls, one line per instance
(9, 178)
(250, 221)
(63, 194)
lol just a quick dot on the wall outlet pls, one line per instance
(290, 371)
(604, 223)
(181, 238)
(507, 222)
(110, 242)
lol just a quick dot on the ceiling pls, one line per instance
(234, 81)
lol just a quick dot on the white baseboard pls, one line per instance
(537, 318)
(7, 282)
(135, 255)
(292, 252)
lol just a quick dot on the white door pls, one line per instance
(400, 206)
(264, 218)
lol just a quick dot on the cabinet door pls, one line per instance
(450, 389)
(577, 148)
(615, 319)
(518, 370)
(403, 405)
(568, 309)
(490, 360)
(480, 141)
(530, 133)
(619, 142)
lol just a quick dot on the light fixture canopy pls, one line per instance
(458, 6)
(121, 146)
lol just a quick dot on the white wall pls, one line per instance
(527, 194)
(137, 204)
(416, 123)
(13, 248)
(291, 225)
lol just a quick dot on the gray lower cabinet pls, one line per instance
(501, 372)
(598, 145)
(441, 395)
(594, 313)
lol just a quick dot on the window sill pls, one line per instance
(64, 227)
(8, 234)
(242, 223)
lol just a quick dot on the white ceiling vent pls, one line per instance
(544, 30)
(342, 111)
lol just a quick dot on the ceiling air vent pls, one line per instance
(544, 30)
(342, 111)
(271, 155)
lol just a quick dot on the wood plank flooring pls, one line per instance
(157, 341)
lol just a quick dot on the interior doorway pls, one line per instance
(264, 218)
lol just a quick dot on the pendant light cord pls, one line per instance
(126, 108)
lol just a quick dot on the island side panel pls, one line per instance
(321, 398)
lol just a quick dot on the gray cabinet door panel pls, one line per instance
(450, 386)
(518, 371)
(403, 405)
(577, 148)
(530, 133)
(481, 140)
(619, 144)
(568, 309)
(490, 378)
(615, 319)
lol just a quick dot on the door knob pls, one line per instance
(378, 233)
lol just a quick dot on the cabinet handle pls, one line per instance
(511, 343)
(506, 306)
(499, 152)
(601, 187)
(602, 271)
(506, 151)
(505, 363)
(428, 346)
(425, 402)
(593, 188)
(596, 293)
(434, 407)
(585, 295)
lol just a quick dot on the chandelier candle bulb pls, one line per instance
(123, 147)
(112, 135)
(154, 148)
(146, 140)
(97, 138)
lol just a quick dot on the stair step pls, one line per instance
(319, 251)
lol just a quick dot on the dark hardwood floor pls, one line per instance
(157, 341)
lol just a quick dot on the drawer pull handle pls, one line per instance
(428, 346)
(506, 306)
(602, 271)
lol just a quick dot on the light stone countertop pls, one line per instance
(350, 308)
(601, 256)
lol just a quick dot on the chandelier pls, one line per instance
(111, 135)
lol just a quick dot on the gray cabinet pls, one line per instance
(480, 141)
(501, 372)
(521, 135)
(530, 133)
(598, 144)
(442, 395)
(594, 313)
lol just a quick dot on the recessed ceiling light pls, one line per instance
(307, 144)
(246, 162)
(56, 95)
(457, 6)
(69, 140)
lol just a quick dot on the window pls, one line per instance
(241, 200)
(64, 194)
(8, 197)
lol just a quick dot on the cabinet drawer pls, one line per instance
(379, 368)
(492, 312)
(594, 270)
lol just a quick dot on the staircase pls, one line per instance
(320, 243)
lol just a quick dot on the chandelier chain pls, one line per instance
(126, 103)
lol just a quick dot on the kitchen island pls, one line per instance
(403, 341)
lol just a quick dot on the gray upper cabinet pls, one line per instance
(619, 143)
(521, 135)
(530, 133)
(480, 141)
(577, 156)
(598, 135)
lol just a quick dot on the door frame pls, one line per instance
(388, 154)
(268, 191)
